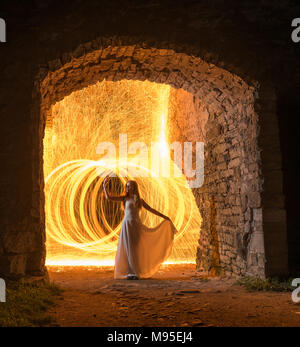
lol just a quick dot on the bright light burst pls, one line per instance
(162, 141)
(82, 226)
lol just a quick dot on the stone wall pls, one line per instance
(231, 155)
(273, 200)
(213, 51)
(231, 236)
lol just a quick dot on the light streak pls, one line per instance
(82, 227)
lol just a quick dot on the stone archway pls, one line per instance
(231, 239)
(47, 42)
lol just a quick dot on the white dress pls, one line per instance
(141, 250)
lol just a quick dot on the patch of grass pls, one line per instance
(27, 303)
(255, 283)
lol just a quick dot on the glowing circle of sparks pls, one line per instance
(74, 192)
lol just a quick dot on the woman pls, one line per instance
(141, 250)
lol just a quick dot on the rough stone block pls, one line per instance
(19, 242)
(12, 266)
(254, 199)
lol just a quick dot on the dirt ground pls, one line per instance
(177, 295)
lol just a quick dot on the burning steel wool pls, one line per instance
(110, 127)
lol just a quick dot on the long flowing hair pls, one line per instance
(136, 194)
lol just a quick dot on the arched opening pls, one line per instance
(248, 200)
(109, 126)
(209, 104)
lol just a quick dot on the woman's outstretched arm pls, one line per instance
(107, 195)
(147, 207)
